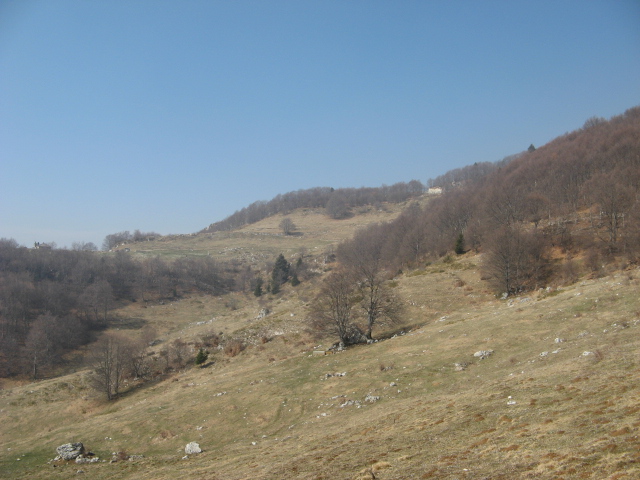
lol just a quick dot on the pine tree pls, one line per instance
(201, 357)
(280, 273)
(459, 248)
(294, 280)
(258, 290)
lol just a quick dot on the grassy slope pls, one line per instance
(272, 413)
(264, 240)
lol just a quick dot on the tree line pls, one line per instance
(469, 173)
(114, 239)
(337, 202)
(52, 301)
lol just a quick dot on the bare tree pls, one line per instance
(287, 226)
(17, 296)
(515, 260)
(136, 358)
(631, 239)
(122, 274)
(505, 205)
(537, 206)
(41, 349)
(378, 302)
(84, 247)
(109, 365)
(155, 276)
(97, 300)
(178, 351)
(115, 239)
(337, 207)
(614, 199)
(9, 351)
(363, 257)
(332, 310)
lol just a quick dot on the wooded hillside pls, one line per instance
(51, 301)
(535, 216)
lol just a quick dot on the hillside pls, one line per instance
(514, 351)
(558, 398)
(264, 240)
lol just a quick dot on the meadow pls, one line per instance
(557, 397)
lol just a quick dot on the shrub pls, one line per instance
(211, 340)
(233, 348)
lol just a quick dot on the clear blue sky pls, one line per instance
(170, 115)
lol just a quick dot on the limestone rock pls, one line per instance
(70, 451)
(83, 459)
(371, 398)
(482, 354)
(460, 366)
(192, 448)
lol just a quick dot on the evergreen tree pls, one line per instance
(294, 280)
(280, 273)
(459, 248)
(201, 357)
(257, 291)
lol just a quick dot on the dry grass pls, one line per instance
(264, 240)
(537, 408)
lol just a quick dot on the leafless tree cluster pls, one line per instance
(109, 360)
(114, 239)
(469, 174)
(52, 301)
(580, 192)
(116, 358)
(356, 297)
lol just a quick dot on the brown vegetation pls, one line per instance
(53, 301)
(579, 193)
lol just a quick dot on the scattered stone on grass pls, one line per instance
(371, 398)
(329, 375)
(482, 354)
